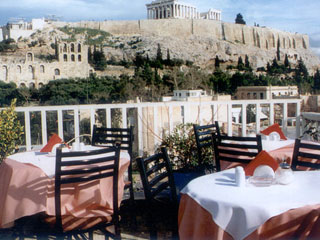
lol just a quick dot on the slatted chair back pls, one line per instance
(102, 136)
(160, 192)
(77, 168)
(203, 136)
(157, 176)
(306, 155)
(236, 149)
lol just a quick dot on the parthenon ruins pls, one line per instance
(161, 9)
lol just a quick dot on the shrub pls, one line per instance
(182, 149)
(10, 131)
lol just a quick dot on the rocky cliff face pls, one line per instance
(199, 41)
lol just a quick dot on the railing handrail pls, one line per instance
(141, 126)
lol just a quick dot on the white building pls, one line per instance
(19, 28)
(162, 9)
(266, 92)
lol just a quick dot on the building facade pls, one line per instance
(71, 62)
(163, 9)
(266, 92)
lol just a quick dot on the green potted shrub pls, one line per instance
(11, 131)
(182, 151)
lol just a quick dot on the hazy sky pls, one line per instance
(302, 16)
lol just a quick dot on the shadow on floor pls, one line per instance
(133, 225)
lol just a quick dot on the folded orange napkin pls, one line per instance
(274, 128)
(52, 141)
(263, 158)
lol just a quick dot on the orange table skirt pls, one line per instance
(196, 223)
(26, 190)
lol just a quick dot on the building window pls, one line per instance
(41, 69)
(254, 95)
(32, 86)
(65, 57)
(79, 58)
(30, 57)
(72, 47)
(57, 72)
(65, 47)
(30, 68)
(72, 58)
(261, 95)
(79, 47)
(19, 69)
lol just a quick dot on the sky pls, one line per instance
(301, 16)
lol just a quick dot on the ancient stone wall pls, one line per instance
(261, 37)
(30, 72)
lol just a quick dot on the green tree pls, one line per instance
(11, 131)
(240, 65)
(217, 62)
(239, 19)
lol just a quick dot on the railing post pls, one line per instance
(124, 117)
(27, 129)
(60, 124)
(298, 123)
(108, 117)
(155, 125)
(140, 132)
(76, 124)
(271, 114)
(44, 127)
(229, 119)
(285, 119)
(258, 116)
(244, 119)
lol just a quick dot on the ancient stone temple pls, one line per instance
(162, 9)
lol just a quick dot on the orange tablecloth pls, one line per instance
(196, 223)
(26, 190)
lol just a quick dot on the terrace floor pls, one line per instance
(34, 228)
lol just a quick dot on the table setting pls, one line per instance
(27, 185)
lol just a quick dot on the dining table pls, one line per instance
(27, 188)
(214, 207)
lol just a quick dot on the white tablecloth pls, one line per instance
(240, 211)
(47, 161)
(269, 145)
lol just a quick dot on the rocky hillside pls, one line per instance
(200, 50)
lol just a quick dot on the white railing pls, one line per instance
(151, 120)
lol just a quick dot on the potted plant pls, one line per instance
(10, 131)
(182, 150)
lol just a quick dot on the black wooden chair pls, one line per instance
(305, 156)
(236, 149)
(83, 168)
(102, 136)
(203, 135)
(160, 191)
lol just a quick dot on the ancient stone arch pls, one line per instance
(73, 58)
(32, 85)
(30, 57)
(42, 69)
(19, 69)
(4, 75)
(22, 85)
(65, 57)
(57, 72)
(72, 47)
(31, 71)
(79, 47)
(79, 58)
(64, 47)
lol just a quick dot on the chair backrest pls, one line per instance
(236, 149)
(85, 167)
(306, 155)
(102, 136)
(156, 175)
(203, 135)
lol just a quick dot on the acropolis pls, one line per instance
(162, 9)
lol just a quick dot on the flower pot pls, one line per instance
(182, 178)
